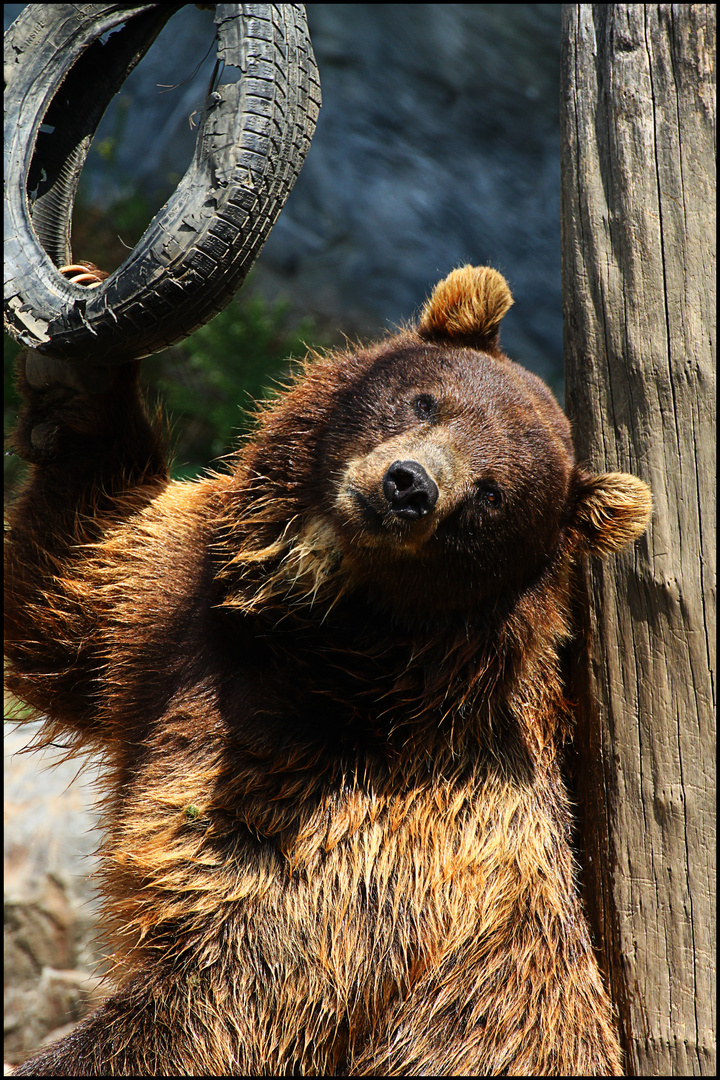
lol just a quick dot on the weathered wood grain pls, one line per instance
(638, 248)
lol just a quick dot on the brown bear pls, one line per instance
(328, 690)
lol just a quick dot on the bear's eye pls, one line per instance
(490, 495)
(424, 406)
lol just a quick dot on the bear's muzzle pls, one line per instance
(401, 490)
(409, 491)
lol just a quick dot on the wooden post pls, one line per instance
(638, 249)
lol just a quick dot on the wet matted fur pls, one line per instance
(327, 688)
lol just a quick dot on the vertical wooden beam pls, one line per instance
(638, 250)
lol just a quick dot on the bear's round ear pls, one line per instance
(611, 510)
(467, 307)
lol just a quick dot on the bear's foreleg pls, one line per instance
(94, 457)
(522, 1009)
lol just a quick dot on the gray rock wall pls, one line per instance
(437, 145)
(51, 956)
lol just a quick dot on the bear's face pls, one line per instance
(449, 460)
(430, 468)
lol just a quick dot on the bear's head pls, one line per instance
(432, 469)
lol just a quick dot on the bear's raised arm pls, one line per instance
(95, 457)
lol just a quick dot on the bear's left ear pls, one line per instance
(611, 510)
(466, 308)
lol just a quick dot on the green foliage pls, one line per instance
(207, 383)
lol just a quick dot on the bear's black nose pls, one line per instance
(409, 491)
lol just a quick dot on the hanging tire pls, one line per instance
(191, 260)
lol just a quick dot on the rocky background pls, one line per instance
(51, 962)
(437, 145)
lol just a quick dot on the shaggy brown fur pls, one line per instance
(467, 307)
(327, 688)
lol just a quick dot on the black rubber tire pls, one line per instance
(253, 138)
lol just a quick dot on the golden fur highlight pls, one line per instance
(616, 509)
(467, 307)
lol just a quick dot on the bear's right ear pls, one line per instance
(611, 510)
(466, 308)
